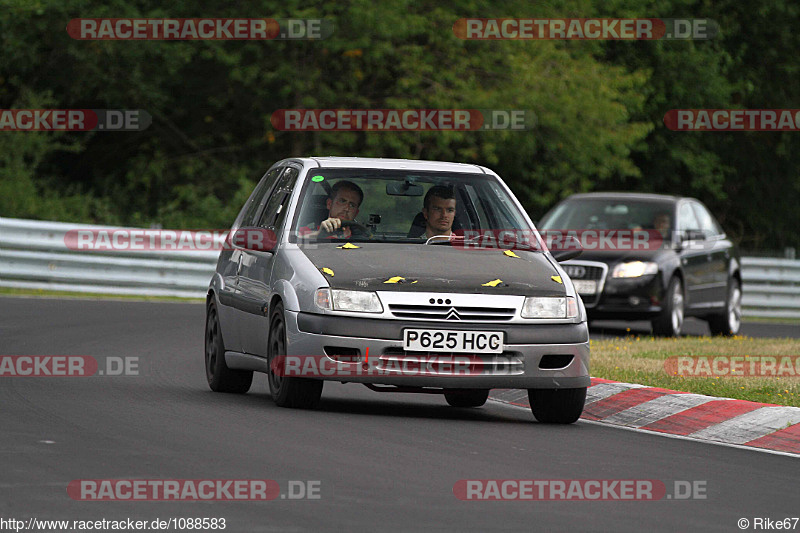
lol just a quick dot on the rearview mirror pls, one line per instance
(403, 189)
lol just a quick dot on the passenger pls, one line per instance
(439, 210)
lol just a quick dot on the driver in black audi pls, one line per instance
(343, 204)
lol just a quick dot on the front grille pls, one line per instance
(584, 272)
(453, 313)
(591, 271)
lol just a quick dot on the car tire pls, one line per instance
(729, 321)
(466, 397)
(670, 322)
(220, 377)
(557, 406)
(301, 393)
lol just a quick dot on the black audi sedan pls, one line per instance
(649, 257)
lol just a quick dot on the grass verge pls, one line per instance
(41, 293)
(636, 359)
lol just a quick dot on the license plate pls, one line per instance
(435, 340)
(585, 286)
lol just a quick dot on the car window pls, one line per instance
(687, 221)
(496, 204)
(609, 213)
(476, 206)
(393, 201)
(278, 203)
(707, 223)
(247, 217)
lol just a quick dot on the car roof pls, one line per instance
(611, 195)
(376, 162)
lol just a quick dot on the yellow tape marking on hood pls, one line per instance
(493, 283)
(326, 270)
(557, 279)
(348, 246)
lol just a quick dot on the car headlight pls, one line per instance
(341, 300)
(634, 269)
(549, 307)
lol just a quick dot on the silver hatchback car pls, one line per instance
(405, 276)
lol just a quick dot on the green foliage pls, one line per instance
(748, 179)
(599, 106)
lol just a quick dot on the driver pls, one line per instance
(343, 203)
(661, 222)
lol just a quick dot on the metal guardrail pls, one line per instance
(771, 287)
(35, 255)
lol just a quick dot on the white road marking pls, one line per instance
(656, 409)
(602, 391)
(671, 435)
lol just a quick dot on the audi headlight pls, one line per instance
(550, 307)
(634, 269)
(341, 300)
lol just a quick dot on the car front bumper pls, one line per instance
(543, 356)
(629, 299)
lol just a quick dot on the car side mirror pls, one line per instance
(684, 237)
(695, 235)
(569, 249)
(254, 239)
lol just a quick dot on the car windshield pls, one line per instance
(462, 206)
(610, 213)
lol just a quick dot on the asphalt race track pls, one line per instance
(383, 462)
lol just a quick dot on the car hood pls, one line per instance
(434, 268)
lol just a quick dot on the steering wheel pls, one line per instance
(356, 228)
